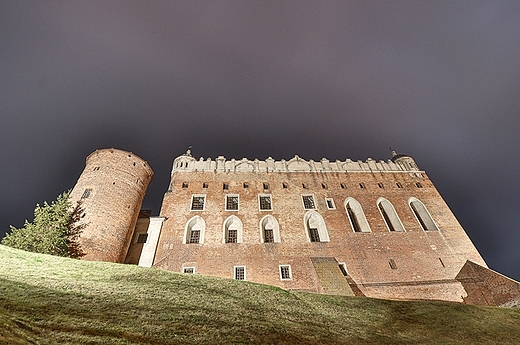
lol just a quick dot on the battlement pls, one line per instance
(188, 163)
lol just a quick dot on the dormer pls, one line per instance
(405, 161)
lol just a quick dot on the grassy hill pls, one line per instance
(52, 300)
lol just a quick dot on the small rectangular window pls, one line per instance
(194, 236)
(308, 202)
(343, 268)
(86, 193)
(284, 185)
(232, 236)
(380, 185)
(189, 270)
(361, 185)
(185, 185)
(269, 236)
(342, 185)
(324, 186)
(266, 185)
(418, 184)
(265, 202)
(231, 202)
(197, 202)
(240, 272)
(304, 185)
(246, 185)
(399, 185)
(285, 272)
(330, 203)
(225, 186)
(205, 185)
(314, 234)
(142, 238)
(392, 264)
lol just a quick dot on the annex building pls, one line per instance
(366, 228)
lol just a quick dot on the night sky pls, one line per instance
(438, 80)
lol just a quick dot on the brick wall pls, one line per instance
(426, 262)
(117, 181)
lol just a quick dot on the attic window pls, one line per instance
(246, 185)
(205, 185)
(324, 186)
(284, 185)
(362, 185)
(418, 184)
(380, 185)
(342, 185)
(225, 186)
(399, 185)
(185, 185)
(392, 264)
(266, 185)
(304, 185)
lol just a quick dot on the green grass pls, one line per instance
(52, 300)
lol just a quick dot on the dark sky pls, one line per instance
(438, 80)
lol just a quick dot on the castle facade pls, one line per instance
(373, 228)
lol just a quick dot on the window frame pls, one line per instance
(333, 203)
(289, 271)
(188, 268)
(187, 230)
(260, 203)
(193, 196)
(313, 201)
(388, 222)
(235, 272)
(226, 202)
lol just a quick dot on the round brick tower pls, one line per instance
(111, 190)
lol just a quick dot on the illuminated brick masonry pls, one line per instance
(372, 228)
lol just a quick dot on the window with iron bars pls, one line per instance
(265, 203)
(314, 234)
(194, 236)
(268, 235)
(197, 203)
(232, 202)
(232, 236)
(240, 273)
(285, 272)
(308, 202)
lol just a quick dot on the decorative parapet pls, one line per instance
(187, 163)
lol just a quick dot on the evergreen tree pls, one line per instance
(55, 229)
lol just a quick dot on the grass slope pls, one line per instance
(52, 300)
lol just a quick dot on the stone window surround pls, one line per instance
(226, 202)
(270, 199)
(289, 269)
(193, 196)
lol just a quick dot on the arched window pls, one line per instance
(389, 215)
(232, 230)
(194, 231)
(356, 216)
(315, 227)
(269, 229)
(423, 216)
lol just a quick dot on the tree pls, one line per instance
(55, 229)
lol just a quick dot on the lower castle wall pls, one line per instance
(419, 256)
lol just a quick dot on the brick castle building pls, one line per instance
(374, 228)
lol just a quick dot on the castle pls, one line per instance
(373, 228)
